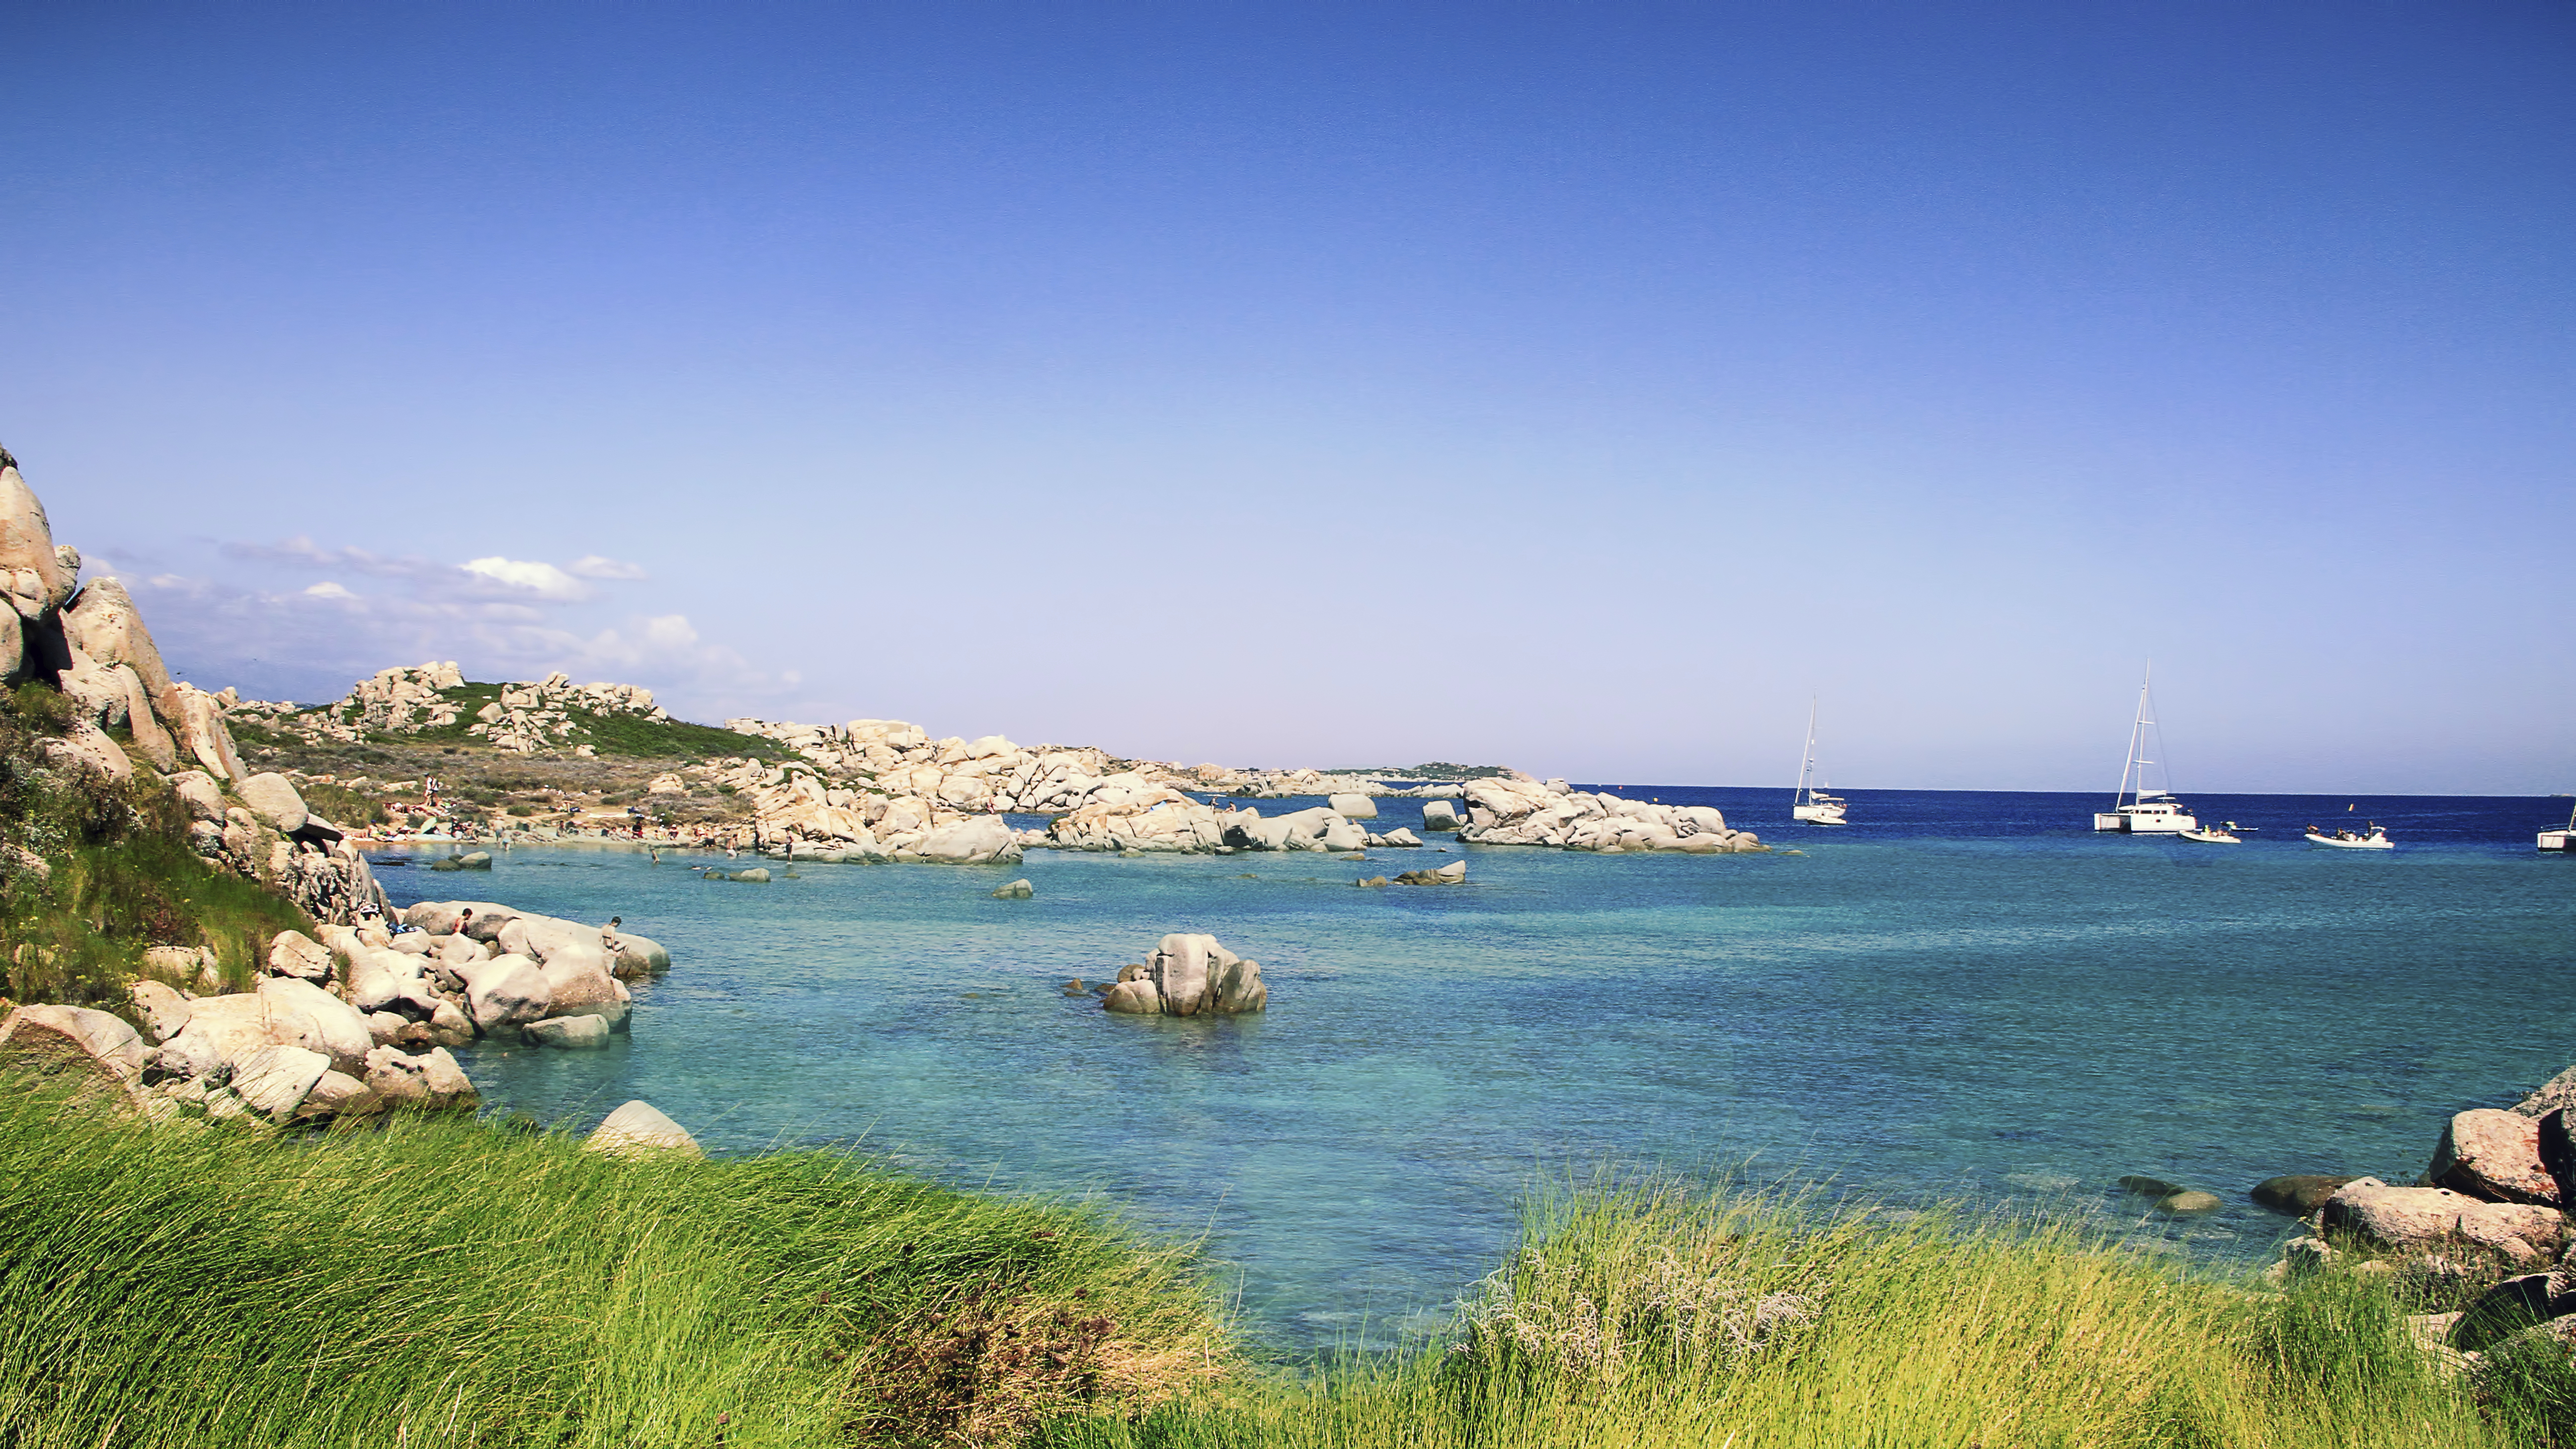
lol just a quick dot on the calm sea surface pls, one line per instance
(1962, 994)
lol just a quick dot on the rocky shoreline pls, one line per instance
(352, 1024)
(2483, 1241)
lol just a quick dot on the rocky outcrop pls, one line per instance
(2420, 1219)
(1441, 815)
(525, 717)
(1517, 810)
(1189, 975)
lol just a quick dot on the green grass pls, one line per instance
(81, 938)
(447, 1282)
(1655, 1316)
(122, 877)
(444, 1282)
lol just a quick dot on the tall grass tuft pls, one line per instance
(1655, 1315)
(441, 1282)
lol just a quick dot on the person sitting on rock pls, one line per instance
(609, 940)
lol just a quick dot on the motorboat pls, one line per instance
(2373, 837)
(2138, 809)
(2216, 834)
(1810, 805)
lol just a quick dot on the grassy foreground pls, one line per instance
(445, 1282)
(1657, 1316)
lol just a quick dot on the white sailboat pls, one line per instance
(2137, 809)
(1810, 803)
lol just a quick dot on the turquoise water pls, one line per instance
(1971, 995)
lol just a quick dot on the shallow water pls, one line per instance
(1969, 994)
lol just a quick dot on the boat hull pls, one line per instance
(2142, 823)
(2562, 841)
(1817, 814)
(2367, 842)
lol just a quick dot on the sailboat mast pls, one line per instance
(1806, 759)
(2137, 732)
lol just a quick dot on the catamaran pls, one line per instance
(1811, 804)
(2563, 841)
(2136, 809)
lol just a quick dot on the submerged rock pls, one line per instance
(2297, 1194)
(1018, 890)
(570, 1032)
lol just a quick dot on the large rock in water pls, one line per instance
(1192, 975)
(2495, 1156)
(506, 991)
(1352, 807)
(430, 1080)
(637, 1130)
(1440, 815)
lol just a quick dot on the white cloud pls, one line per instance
(592, 566)
(328, 590)
(542, 579)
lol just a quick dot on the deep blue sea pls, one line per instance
(1959, 995)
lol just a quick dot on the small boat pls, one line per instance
(1810, 804)
(2136, 809)
(2216, 834)
(2375, 837)
(2561, 840)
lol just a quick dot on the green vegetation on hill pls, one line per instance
(440, 1282)
(638, 738)
(118, 874)
(625, 735)
(1436, 770)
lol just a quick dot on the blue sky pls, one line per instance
(1576, 387)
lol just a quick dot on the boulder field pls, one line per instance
(355, 1022)
(1517, 810)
